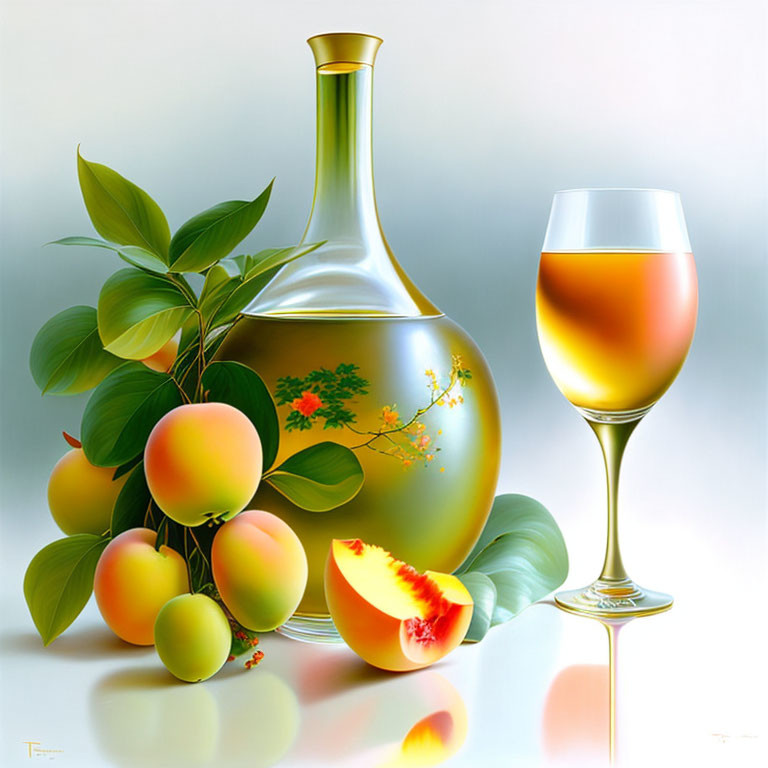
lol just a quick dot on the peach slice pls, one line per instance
(390, 614)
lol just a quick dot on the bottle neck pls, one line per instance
(344, 203)
(353, 271)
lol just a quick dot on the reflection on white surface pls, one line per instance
(534, 692)
(144, 717)
(580, 713)
(141, 717)
(323, 705)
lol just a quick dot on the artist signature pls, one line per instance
(34, 749)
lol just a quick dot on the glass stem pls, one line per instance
(613, 439)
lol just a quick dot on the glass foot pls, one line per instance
(613, 600)
(311, 629)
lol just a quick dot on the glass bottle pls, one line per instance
(431, 478)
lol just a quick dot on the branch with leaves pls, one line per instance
(141, 309)
(327, 395)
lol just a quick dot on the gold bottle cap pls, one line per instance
(344, 51)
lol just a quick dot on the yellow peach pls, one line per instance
(164, 358)
(133, 582)
(390, 614)
(260, 569)
(203, 461)
(80, 495)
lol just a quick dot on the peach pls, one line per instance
(81, 496)
(192, 637)
(203, 461)
(260, 569)
(133, 582)
(164, 358)
(388, 613)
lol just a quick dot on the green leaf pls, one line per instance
(233, 283)
(67, 356)
(133, 254)
(240, 297)
(83, 241)
(522, 551)
(250, 266)
(125, 468)
(218, 286)
(319, 478)
(139, 312)
(131, 504)
(142, 258)
(120, 211)
(122, 411)
(190, 335)
(212, 234)
(59, 581)
(240, 386)
(483, 592)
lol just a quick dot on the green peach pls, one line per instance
(192, 637)
(260, 569)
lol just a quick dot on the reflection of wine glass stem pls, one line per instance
(613, 648)
(613, 439)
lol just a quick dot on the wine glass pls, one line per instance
(616, 304)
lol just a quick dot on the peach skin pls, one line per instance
(203, 461)
(133, 582)
(81, 496)
(260, 569)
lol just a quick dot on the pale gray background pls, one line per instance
(482, 110)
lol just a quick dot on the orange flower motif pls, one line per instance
(388, 416)
(307, 404)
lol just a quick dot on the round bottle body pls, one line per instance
(429, 486)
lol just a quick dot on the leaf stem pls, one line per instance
(200, 357)
(181, 284)
(199, 549)
(186, 560)
(184, 395)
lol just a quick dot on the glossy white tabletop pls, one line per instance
(534, 692)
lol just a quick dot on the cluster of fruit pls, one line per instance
(203, 462)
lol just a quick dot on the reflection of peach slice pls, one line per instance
(407, 720)
(434, 738)
(576, 714)
(388, 613)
